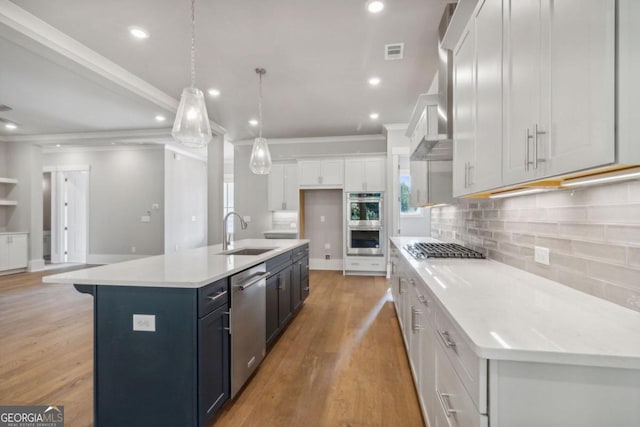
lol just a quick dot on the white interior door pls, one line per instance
(69, 215)
(76, 204)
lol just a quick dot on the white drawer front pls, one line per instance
(365, 264)
(452, 398)
(471, 369)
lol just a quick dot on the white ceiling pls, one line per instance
(318, 57)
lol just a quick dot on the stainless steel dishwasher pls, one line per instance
(248, 329)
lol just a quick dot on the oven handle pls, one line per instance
(365, 227)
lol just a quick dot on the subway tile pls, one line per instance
(485, 233)
(520, 202)
(622, 233)
(568, 262)
(490, 244)
(627, 214)
(623, 296)
(567, 214)
(634, 191)
(501, 236)
(560, 245)
(523, 239)
(545, 228)
(616, 274)
(582, 231)
(541, 270)
(490, 214)
(582, 283)
(633, 257)
(514, 262)
(613, 254)
(516, 226)
(535, 214)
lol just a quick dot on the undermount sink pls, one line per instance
(247, 251)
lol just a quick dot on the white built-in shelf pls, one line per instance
(8, 180)
(8, 202)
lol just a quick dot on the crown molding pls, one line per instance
(316, 140)
(49, 37)
(157, 136)
(90, 149)
(396, 126)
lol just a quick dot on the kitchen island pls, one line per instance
(164, 329)
(493, 345)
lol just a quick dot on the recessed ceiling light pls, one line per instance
(11, 126)
(214, 92)
(160, 118)
(374, 81)
(58, 145)
(374, 116)
(138, 33)
(375, 6)
(253, 122)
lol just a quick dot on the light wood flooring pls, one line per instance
(341, 361)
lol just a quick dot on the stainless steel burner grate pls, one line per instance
(423, 250)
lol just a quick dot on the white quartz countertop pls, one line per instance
(191, 268)
(510, 314)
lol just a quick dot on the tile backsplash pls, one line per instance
(593, 235)
(284, 220)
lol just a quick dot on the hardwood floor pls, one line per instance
(341, 362)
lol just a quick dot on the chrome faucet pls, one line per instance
(225, 235)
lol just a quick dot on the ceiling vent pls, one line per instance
(4, 108)
(393, 51)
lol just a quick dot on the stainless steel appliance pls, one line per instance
(248, 328)
(423, 250)
(364, 209)
(365, 241)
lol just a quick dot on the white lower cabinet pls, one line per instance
(365, 264)
(13, 251)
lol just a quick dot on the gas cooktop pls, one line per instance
(422, 250)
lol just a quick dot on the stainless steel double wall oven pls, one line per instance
(364, 224)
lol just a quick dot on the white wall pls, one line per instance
(26, 166)
(123, 186)
(4, 189)
(215, 173)
(327, 204)
(185, 207)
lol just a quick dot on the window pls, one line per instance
(228, 203)
(405, 196)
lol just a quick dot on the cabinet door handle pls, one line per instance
(535, 146)
(528, 138)
(448, 342)
(306, 289)
(423, 300)
(401, 285)
(469, 180)
(441, 397)
(466, 167)
(282, 284)
(228, 313)
(219, 294)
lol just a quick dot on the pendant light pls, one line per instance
(192, 128)
(260, 162)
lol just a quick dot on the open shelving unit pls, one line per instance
(9, 181)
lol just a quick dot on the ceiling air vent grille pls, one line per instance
(4, 108)
(393, 51)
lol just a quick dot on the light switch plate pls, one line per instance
(327, 245)
(144, 322)
(321, 218)
(541, 255)
(145, 218)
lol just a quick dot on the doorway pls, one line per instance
(69, 213)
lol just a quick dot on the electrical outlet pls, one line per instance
(193, 218)
(327, 245)
(246, 218)
(155, 206)
(144, 322)
(541, 255)
(145, 218)
(327, 256)
(321, 218)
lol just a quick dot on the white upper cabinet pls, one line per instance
(321, 173)
(477, 111)
(364, 175)
(283, 187)
(559, 87)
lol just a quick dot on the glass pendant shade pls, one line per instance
(260, 162)
(192, 128)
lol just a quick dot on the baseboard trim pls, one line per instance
(325, 264)
(111, 258)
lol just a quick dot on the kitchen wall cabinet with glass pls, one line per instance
(364, 175)
(283, 187)
(321, 173)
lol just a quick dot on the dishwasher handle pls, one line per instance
(253, 281)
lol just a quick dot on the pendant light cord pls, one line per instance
(261, 72)
(193, 43)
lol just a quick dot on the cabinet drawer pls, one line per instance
(276, 263)
(374, 264)
(300, 252)
(212, 296)
(452, 399)
(471, 369)
(426, 299)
